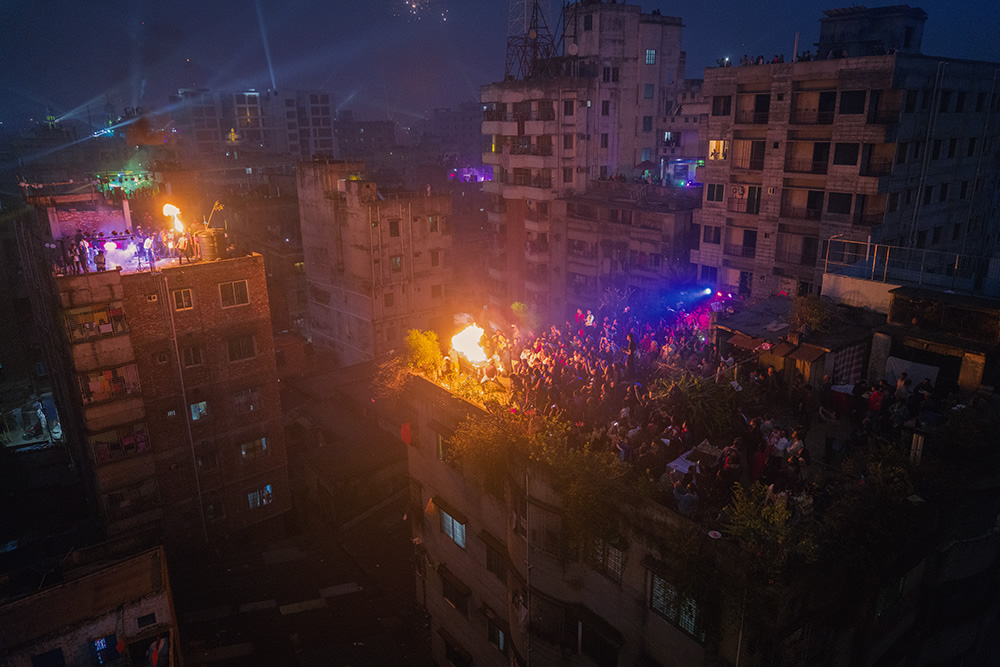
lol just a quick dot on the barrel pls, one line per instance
(213, 244)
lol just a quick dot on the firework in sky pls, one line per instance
(422, 10)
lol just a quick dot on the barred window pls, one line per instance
(191, 356)
(107, 385)
(246, 401)
(234, 293)
(182, 299)
(131, 499)
(260, 497)
(606, 558)
(680, 610)
(96, 321)
(453, 528)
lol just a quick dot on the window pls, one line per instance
(943, 192)
(945, 101)
(901, 153)
(956, 231)
(394, 228)
(568, 106)
(714, 192)
(936, 236)
(567, 174)
(234, 293)
(908, 37)
(911, 101)
(52, 658)
(647, 91)
(972, 147)
(455, 654)
(839, 202)
(253, 450)
(567, 142)
(588, 22)
(604, 140)
(441, 447)
(852, 102)
(396, 263)
(605, 108)
(207, 460)
(436, 291)
(148, 619)
(606, 75)
(952, 147)
(893, 202)
(182, 299)
(711, 234)
(647, 123)
(432, 222)
(388, 299)
(496, 563)
(455, 592)
(936, 149)
(922, 239)
(614, 75)
(845, 153)
(261, 497)
(96, 321)
(650, 56)
(199, 411)
(718, 149)
(679, 609)
(191, 356)
(722, 105)
(453, 528)
(246, 401)
(606, 558)
(496, 635)
(928, 194)
(241, 347)
(964, 192)
(215, 510)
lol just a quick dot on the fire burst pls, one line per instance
(466, 342)
(419, 10)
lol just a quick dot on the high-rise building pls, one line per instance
(214, 123)
(593, 112)
(165, 381)
(377, 264)
(870, 142)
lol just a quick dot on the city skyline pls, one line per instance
(388, 59)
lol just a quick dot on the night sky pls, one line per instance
(381, 58)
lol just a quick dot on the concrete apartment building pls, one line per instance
(592, 112)
(377, 264)
(167, 386)
(871, 142)
(112, 613)
(214, 123)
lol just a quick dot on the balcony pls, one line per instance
(526, 181)
(805, 166)
(876, 168)
(745, 251)
(751, 164)
(745, 205)
(867, 219)
(811, 117)
(532, 149)
(884, 117)
(799, 258)
(508, 116)
(801, 213)
(536, 248)
(751, 117)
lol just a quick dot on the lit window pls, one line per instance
(253, 450)
(650, 56)
(260, 497)
(234, 293)
(435, 257)
(497, 636)
(647, 91)
(606, 558)
(453, 528)
(396, 263)
(191, 356)
(182, 299)
(199, 411)
(718, 149)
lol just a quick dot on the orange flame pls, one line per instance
(466, 342)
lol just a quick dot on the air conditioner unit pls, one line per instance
(151, 298)
(733, 191)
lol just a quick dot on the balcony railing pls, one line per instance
(753, 164)
(751, 117)
(799, 258)
(536, 247)
(747, 251)
(801, 213)
(811, 117)
(528, 181)
(805, 166)
(493, 115)
(902, 266)
(533, 149)
(745, 205)
(876, 168)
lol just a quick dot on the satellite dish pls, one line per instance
(572, 49)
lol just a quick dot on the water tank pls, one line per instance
(213, 244)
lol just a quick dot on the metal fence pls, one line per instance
(913, 266)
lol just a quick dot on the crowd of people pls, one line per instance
(597, 376)
(806, 56)
(142, 248)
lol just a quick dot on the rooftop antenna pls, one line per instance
(528, 40)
